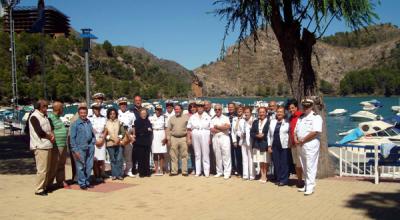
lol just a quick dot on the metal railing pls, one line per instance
(363, 161)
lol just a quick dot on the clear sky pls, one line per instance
(179, 30)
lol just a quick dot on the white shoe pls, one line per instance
(197, 175)
(308, 192)
(130, 174)
(217, 175)
(226, 177)
(207, 175)
(301, 189)
(252, 178)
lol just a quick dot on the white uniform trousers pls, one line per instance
(247, 160)
(222, 150)
(309, 160)
(200, 141)
(128, 158)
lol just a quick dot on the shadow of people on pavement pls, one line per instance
(377, 205)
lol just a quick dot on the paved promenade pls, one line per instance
(188, 197)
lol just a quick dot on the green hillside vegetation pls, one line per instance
(115, 70)
(364, 37)
(381, 80)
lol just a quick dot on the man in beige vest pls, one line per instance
(176, 135)
(41, 142)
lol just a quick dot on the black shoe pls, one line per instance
(120, 178)
(89, 186)
(173, 174)
(43, 193)
(83, 187)
(282, 184)
(185, 174)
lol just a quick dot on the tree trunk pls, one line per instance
(296, 51)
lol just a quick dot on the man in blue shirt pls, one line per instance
(82, 146)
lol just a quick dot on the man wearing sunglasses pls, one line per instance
(220, 126)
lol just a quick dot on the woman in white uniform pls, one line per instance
(159, 144)
(199, 127)
(246, 142)
(99, 122)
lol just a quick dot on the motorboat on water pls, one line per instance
(395, 121)
(365, 116)
(338, 112)
(372, 133)
(396, 108)
(369, 107)
(374, 102)
(377, 133)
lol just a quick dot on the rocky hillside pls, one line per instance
(262, 73)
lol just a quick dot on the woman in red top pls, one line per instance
(295, 114)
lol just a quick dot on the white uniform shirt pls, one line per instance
(307, 124)
(243, 131)
(158, 123)
(98, 123)
(222, 120)
(127, 118)
(197, 122)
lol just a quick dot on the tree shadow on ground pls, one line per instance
(15, 156)
(377, 205)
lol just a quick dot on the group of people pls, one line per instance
(217, 144)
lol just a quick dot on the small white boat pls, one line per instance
(338, 112)
(369, 107)
(365, 116)
(396, 108)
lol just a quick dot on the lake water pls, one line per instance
(335, 124)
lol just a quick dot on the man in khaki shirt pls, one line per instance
(176, 135)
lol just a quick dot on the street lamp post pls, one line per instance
(10, 4)
(87, 36)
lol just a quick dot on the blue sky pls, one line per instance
(179, 30)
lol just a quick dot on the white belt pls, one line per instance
(158, 129)
(201, 129)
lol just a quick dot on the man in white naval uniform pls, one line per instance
(220, 126)
(199, 126)
(98, 99)
(127, 118)
(307, 132)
